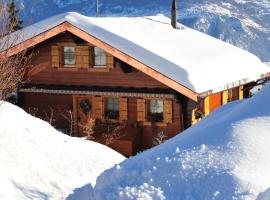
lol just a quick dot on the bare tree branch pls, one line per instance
(12, 68)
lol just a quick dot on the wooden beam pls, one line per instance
(36, 39)
(111, 50)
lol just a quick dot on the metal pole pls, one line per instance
(174, 15)
(96, 8)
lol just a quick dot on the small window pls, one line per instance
(112, 108)
(100, 57)
(155, 111)
(233, 94)
(69, 56)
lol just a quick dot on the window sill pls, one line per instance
(101, 69)
(88, 69)
(63, 68)
(99, 66)
(159, 124)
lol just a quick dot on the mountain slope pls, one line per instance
(244, 23)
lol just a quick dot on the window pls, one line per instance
(112, 108)
(69, 56)
(155, 111)
(100, 57)
(233, 94)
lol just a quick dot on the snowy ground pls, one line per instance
(225, 156)
(37, 162)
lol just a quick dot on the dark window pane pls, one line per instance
(112, 108)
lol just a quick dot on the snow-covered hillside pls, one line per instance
(225, 156)
(244, 23)
(38, 162)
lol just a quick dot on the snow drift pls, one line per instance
(37, 162)
(225, 156)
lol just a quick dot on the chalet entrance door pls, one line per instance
(84, 111)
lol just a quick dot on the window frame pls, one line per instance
(157, 117)
(102, 53)
(115, 111)
(64, 59)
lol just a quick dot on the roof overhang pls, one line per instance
(66, 26)
(233, 85)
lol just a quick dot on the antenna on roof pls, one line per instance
(174, 15)
(97, 8)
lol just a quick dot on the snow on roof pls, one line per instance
(225, 156)
(193, 59)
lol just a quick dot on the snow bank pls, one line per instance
(37, 162)
(264, 195)
(225, 156)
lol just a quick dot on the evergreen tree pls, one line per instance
(14, 23)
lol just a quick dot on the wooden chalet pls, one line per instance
(129, 77)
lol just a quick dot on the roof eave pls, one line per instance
(232, 85)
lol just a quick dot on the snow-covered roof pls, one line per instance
(190, 58)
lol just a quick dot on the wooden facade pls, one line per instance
(50, 86)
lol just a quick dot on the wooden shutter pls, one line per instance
(123, 112)
(56, 53)
(241, 92)
(109, 61)
(82, 56)
(98, 107)
(167, 112)
(78, 56)
(206, 106)
(85, 56)
(140, 110)
(91, 56)
(225, 97)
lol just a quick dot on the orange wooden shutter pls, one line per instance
(109, 61)
(98, 107)
(123, 111)
(85, 52)
(56, 56)
(167, 112)
(141, 110)
(215, 101)
(78, 56)
(82, 56)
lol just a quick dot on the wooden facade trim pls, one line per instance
(97, 93)
(37, 39)
(109, 49)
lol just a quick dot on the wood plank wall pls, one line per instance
(44, 73)
(44, 101)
